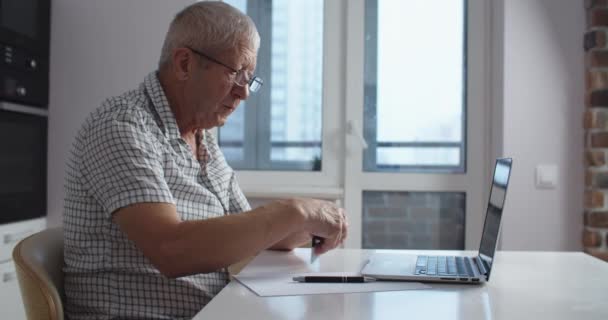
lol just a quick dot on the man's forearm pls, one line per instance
(207, 245)
(293, 241)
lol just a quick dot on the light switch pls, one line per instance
(546, 176)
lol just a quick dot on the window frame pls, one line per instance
(260, 182)
(474, 180)
(257, 146)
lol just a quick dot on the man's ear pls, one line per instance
(182, 63)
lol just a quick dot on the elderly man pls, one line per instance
(153, 214)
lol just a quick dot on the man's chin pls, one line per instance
(221, 121)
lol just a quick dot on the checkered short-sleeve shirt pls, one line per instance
(130, 151)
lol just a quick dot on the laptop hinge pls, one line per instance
(481, 266)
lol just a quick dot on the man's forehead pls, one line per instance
(242, 58)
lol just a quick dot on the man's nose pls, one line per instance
(241, 92)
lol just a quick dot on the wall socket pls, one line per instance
(546, 176)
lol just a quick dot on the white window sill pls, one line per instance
(279, 192)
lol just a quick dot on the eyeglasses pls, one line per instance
(239, 76)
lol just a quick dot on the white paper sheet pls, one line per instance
(271, 274)
(282, 284)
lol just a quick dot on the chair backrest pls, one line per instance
(39, 265)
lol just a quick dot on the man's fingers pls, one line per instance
(336, 227)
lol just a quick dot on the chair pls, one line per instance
(39, 265)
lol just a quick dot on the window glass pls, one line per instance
(280, 127)
(415, 88)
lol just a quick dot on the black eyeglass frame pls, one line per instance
(255, 83)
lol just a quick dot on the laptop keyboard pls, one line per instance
(444, 266)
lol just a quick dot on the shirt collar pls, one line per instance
(160, 103)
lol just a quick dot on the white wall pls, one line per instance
(543, 106)
(98, 49)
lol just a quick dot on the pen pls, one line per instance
(333, 279)
(316, 241)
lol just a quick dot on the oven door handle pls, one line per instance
(9, 106)
(11, 238)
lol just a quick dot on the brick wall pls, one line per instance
(595, 233)
(413, 220)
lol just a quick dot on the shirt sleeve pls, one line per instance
(122, 165)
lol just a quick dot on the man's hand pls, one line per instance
(323, 219)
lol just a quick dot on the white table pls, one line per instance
(523, 285)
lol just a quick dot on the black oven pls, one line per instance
(24, 51)
(23, 149)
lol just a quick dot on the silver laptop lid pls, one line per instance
(496, 202)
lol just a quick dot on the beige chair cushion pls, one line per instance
(39, 265)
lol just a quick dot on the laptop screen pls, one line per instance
(498, 192)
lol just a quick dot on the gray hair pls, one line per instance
(210, 26)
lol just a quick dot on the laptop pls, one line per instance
(453, 269)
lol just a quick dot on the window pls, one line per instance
(415, 85)
(280, 128)
(414, 122)
(381, 104)
(417, 180)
